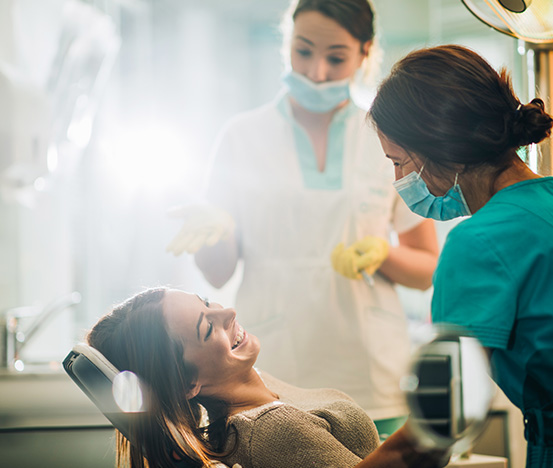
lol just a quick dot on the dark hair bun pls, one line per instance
(532, 124)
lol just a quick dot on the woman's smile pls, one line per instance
(239, 338)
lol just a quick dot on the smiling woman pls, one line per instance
(214, 343)
(207, 401)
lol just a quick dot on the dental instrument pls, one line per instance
(368, 278)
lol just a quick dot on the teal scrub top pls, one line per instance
(495, 278)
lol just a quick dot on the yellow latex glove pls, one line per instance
(365, 254)
(203, 225)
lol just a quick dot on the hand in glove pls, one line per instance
(365, 254)
(204, 225)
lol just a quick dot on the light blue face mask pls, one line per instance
(316, 97)
(418, 198)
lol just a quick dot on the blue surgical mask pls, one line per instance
(316, 97)
(418, 198)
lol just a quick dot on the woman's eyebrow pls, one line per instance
(311, 43)
(304, 39)
(338, 46)
(198, 325)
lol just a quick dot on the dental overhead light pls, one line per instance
(529, 20)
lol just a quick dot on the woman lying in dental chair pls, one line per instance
(193, 354)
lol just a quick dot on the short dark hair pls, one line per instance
(356, 16)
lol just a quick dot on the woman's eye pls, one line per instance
(335, 60)
(209, 330)
(206, 302)
(303, 52)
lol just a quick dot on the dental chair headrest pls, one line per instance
(94, 375)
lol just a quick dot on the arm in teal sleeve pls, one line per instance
(474, 288)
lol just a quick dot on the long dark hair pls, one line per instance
(134, 337)
(448, 105)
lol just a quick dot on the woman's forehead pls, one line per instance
(180, 306)
(326, 32)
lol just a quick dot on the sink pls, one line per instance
(44, 396)
(47, 421)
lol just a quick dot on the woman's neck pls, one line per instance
(313, 121)
(483, 186)
(248, 393)
(517, 172)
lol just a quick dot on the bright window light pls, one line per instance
(153, 158)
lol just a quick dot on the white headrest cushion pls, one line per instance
(97, 358)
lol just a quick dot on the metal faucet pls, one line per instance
(13, 340)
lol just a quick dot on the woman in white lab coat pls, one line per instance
(304, 178)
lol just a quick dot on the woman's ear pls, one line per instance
(193, 390)
(365, 48)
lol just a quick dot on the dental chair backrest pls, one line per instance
(94, 375)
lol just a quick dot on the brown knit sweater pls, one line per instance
(321, 428)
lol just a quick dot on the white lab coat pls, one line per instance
(317, 328)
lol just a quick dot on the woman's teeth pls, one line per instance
(239, 337)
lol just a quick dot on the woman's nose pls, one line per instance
(398, 172)
(228, 315)
(317, 71)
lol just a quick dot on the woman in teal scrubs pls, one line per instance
(453, 128)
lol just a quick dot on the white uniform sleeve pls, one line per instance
(403, 219)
